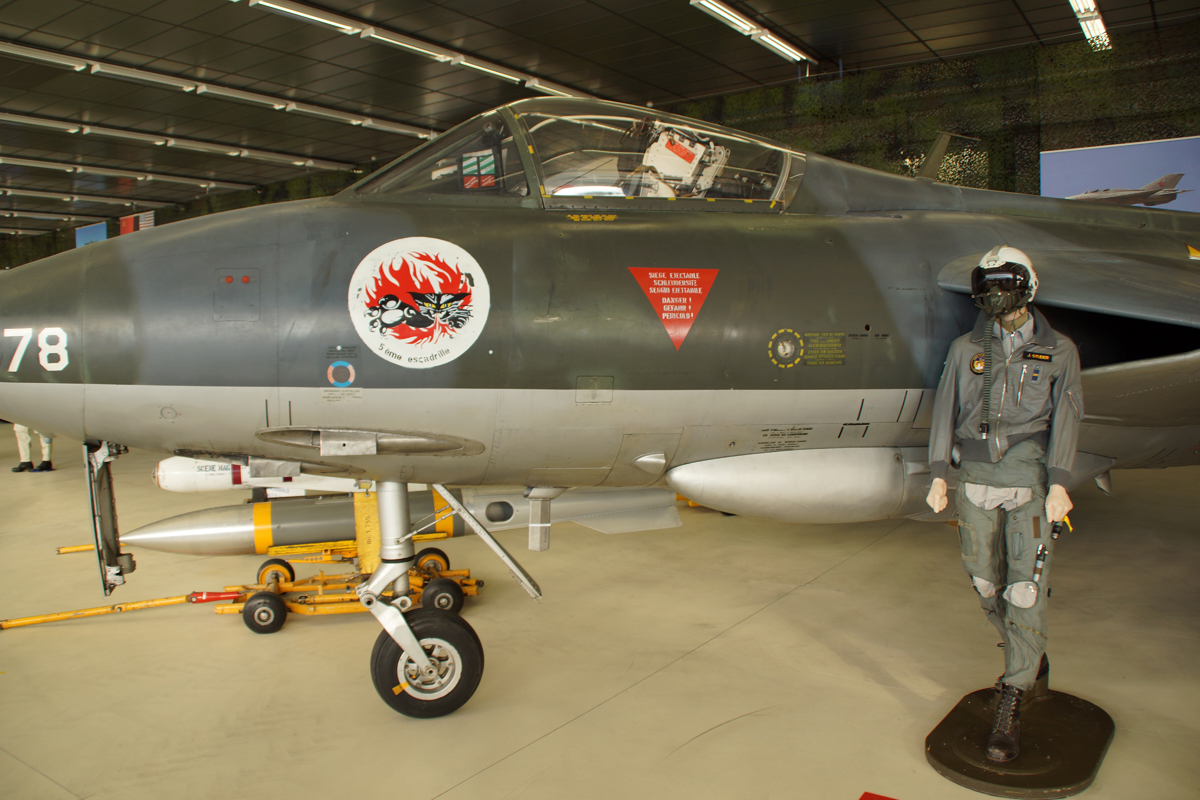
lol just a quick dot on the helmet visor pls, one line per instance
(1006, 278)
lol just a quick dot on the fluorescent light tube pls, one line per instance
(770, 42)
(442, 54)
(327, 113)
(83, 198)
(1092, 24)
(116, 133)
(416, 46)
(39, 122)
(59, 217)
(141, 76)
(309, 14)
(36, 54)
(507, 76)
(727, 15)
(394, 127)
(119, 173)
(238, 94)
(546, 87)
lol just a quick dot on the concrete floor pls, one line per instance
(729, 658)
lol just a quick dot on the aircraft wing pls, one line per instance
(1157, 288)
(1154, 393)
(1150, 393)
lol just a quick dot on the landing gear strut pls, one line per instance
(427, 662)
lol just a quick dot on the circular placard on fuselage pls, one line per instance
(419, 302)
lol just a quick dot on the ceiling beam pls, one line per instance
(203, 183)
(158, 139)
(71, 197)
(365, 30)
(108, 70)
(15, 212)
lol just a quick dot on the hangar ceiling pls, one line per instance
(113, 102)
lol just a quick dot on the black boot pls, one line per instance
(1003, 745)
(24, 466)
(45, 466)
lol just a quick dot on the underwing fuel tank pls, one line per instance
(254, 527)
(854, 484)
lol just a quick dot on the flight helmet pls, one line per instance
(1004, 281)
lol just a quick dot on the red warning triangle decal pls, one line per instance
(676, 295)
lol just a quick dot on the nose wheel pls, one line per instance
(427, 662)
(455, 657)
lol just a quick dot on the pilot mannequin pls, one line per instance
(23, 442)
(1009, 406)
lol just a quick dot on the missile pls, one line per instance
(180, 474)
(251, 528)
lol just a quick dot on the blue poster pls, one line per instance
(1138, 174)
(91, 233)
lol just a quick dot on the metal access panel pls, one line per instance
(114, 565)
(236, 295)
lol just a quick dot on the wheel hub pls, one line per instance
(443, 675)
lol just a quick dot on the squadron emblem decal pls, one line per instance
(419, 302)
(977, 364)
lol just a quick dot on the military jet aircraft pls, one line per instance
(570, 293)
(1154, 193)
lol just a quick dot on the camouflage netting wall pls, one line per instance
(1016, 102)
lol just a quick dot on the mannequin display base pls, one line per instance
(1063, 742)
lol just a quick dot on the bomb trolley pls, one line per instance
(265, 605)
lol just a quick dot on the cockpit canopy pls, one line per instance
(590, 154)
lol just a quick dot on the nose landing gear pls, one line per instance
(426, 662)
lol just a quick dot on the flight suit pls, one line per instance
(1036, 406)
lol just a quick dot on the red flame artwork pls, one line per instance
(421, 301)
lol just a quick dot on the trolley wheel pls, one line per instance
(453, 647)
(443, 594)
(431, 555)
(275, 567)
(265, 612)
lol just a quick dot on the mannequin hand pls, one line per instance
(1058, 505)
(937, 496)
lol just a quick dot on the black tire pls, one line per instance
(275, 566)
(443, 594)
(432, 554)
(265, 613)
(449, 641)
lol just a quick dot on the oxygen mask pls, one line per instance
(996, 302)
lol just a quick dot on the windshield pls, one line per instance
(477, 158)
(609, 155)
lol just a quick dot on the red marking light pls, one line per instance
(245, 279)
(229, 279)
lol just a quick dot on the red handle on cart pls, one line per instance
(212, 597)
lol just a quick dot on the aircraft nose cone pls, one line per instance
(41, 351)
